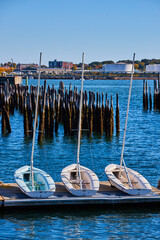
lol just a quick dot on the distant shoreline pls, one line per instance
(136, 78)
(114, 78)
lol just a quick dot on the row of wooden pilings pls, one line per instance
(147, 96)
(58, 107)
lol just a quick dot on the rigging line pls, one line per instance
(34, 132)
(79, 127)
(101, 175)
(90, 145)
(130, 88)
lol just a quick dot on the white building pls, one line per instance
(117, 67)
(153, 68)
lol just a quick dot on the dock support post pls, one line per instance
(117, 115)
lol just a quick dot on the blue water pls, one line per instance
(141, 153)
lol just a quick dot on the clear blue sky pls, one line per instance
(63, 29)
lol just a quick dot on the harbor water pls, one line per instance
(141, 154)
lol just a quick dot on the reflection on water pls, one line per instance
(84, 224)
(141, 153)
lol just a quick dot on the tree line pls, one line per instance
(139, 65)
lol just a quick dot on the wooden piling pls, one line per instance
(90, 113)
(146, 98)
(117, 115)
(42, 115)
(25, 117)
(107, 117)
(5, 122)
(150, 98)
(144, 95)
(57, 112)
(111, 120)
(157, 94)
(30, 118)
(52, 112)
(47, 117)
(58, 107)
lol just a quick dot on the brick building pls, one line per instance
(60, 64)
(20, 66)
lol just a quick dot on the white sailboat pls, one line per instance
(121, 177)
(32, 181)
(79, 180)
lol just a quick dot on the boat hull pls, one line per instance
(140, 186)
(90, 181)
(44, 185)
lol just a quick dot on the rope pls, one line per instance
(101, 175)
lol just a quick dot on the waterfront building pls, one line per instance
(4, 67)
(55, 64)
(117, 67)
(153, 68)
(54, 70)
(29, 70)
(60, 64)
(20, 66)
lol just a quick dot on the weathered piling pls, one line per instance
(111, 120)
(117, 115)
(145, 95)
(1, 98)
(21, 100)
(42, 115)
(106, 116)
(5, 121)
(16, 96)
(5, 109)
(150, 98)
(59, 106)
(25, 118)
(12, 104)
(6, 95)
(159, 82)
(157, 93)
(90, 113)
(52, 112)
(47, 116)
(30, 118)
(100, 116)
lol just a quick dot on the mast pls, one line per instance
(122, 160)
(34, 130)
(79, 127)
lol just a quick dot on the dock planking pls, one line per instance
(12, 197)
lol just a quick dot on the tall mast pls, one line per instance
(127, 114)
(34, 130)
(79, 127)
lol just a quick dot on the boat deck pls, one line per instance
(11, 196)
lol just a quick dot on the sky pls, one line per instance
(63, 29)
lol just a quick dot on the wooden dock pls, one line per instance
(12, 80)
(11, 197)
